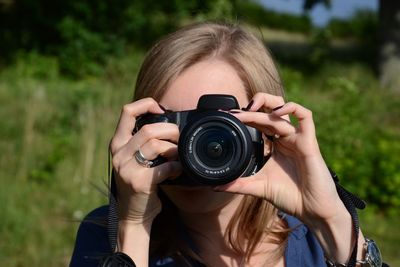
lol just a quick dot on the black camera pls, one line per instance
(214, 146)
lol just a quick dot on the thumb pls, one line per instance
(245, 185)
(169, 169)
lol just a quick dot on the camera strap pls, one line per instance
(112, 218)
(351, 202)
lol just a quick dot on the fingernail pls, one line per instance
(274, 109)
(164, 109)
(248, 106)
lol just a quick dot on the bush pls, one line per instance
(355, 128)
(83, 33)
(54, 135)
(83, 52)
(254, 13)
(361, 26)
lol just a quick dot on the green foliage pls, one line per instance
(362, 26)
(56, 147)
(55, 135)
(320, 46)
(255, 14)
(387, 179)
(82, 34)
(356, 129)
(84, 52)
(217, 10)
(55, 131)
(380, 228)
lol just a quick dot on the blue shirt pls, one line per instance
(92, 244)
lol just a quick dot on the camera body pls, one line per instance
(214, 147)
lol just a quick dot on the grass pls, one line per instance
(54, 138)
(55, 134)
(382, 229)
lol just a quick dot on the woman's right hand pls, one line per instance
(137, 198)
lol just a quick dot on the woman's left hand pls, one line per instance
(295, 179)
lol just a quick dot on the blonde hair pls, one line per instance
(255, 219)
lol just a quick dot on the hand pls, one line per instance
(295, 179)
(137, 185)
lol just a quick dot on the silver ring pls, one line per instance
(142, 160)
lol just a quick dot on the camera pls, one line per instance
(214, 147)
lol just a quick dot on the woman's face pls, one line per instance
(211, 76)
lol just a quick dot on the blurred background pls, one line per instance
(67, 67)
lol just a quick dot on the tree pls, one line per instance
(388, 38)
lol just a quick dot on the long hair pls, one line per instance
(255, 220)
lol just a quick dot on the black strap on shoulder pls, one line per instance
(351, 202)
(114, 259)
(112, 219)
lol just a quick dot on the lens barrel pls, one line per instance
(215, 148)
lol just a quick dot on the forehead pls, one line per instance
(211, 76)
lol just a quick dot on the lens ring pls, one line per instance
(215, 147)
(211, 176)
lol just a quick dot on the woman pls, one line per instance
(252, 221)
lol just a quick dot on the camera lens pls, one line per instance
(214, 148)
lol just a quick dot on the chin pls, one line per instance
(197, 199)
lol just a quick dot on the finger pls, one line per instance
(303, 115)
(161, 130)
(264, 100)
(244, 185)
(141, 179)
(167, 170)
(269, 124)
(127, 120)
(154, 148)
